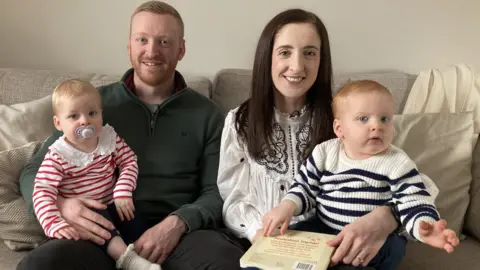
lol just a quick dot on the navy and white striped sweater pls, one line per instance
(343, 189)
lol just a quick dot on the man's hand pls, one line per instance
(88, 224)
(158, 242)
(437, 235)
(281, 214)
(361, 240)
(125, 208)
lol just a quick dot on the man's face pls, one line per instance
(155, 46)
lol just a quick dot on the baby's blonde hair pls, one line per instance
(70, 89)
(358, 86)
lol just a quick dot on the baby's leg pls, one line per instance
(131, 230)
(116, 247)
(126, 258)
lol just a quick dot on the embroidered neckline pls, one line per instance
(300, 117)
(293, 115)
(71, 155)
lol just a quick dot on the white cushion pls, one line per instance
(441, 144)
(25, 122)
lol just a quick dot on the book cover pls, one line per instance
(297, 250)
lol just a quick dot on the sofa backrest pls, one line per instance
(23, 85)
(232, 86)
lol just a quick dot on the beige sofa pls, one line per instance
(228, 89)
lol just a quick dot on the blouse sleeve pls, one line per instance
(240, 210)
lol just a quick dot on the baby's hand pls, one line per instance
(281, 214)
(125, 208)
(436, 235)
(67, 232)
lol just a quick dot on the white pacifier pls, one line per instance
(85, 132)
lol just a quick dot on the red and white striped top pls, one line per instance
(68, 172)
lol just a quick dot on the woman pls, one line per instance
(267, 137)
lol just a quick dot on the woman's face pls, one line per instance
(295, 59)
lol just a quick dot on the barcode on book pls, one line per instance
(303, 266)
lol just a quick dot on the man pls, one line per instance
(175, 133)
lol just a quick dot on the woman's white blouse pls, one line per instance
(251, 187)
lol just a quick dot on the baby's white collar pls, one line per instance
(71, 155)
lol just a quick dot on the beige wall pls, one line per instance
(91, 35)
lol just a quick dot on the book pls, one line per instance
(297, 250)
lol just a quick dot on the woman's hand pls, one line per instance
(361, 240)
(88, 224)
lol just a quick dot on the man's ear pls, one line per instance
(56, 123)
(128, 47)
(183, 50)
(337, 128)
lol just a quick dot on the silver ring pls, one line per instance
(360, 259)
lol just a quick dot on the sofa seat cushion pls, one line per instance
(420, 256)
(9, 259)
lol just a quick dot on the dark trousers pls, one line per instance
(202, 249)
(388, 257)
(128, 230)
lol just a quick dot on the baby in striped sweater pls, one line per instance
(82, 163)
(349, 176)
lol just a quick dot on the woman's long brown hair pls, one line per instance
(254, 117)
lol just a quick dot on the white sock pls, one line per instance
(130, 260)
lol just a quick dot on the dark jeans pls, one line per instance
(388, 257)
(202, 249)
(129, 230)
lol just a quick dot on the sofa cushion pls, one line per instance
(441, 145)
(472, 220)
(23, 85)
(398, 83)
(18, 227)
(25, 122)
(232, 86)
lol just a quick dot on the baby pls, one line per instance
(348, 177)
(82, 163)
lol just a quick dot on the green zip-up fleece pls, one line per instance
(177, 149)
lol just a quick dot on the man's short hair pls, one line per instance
(358, 86)
(162, 8)
(70, 89)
